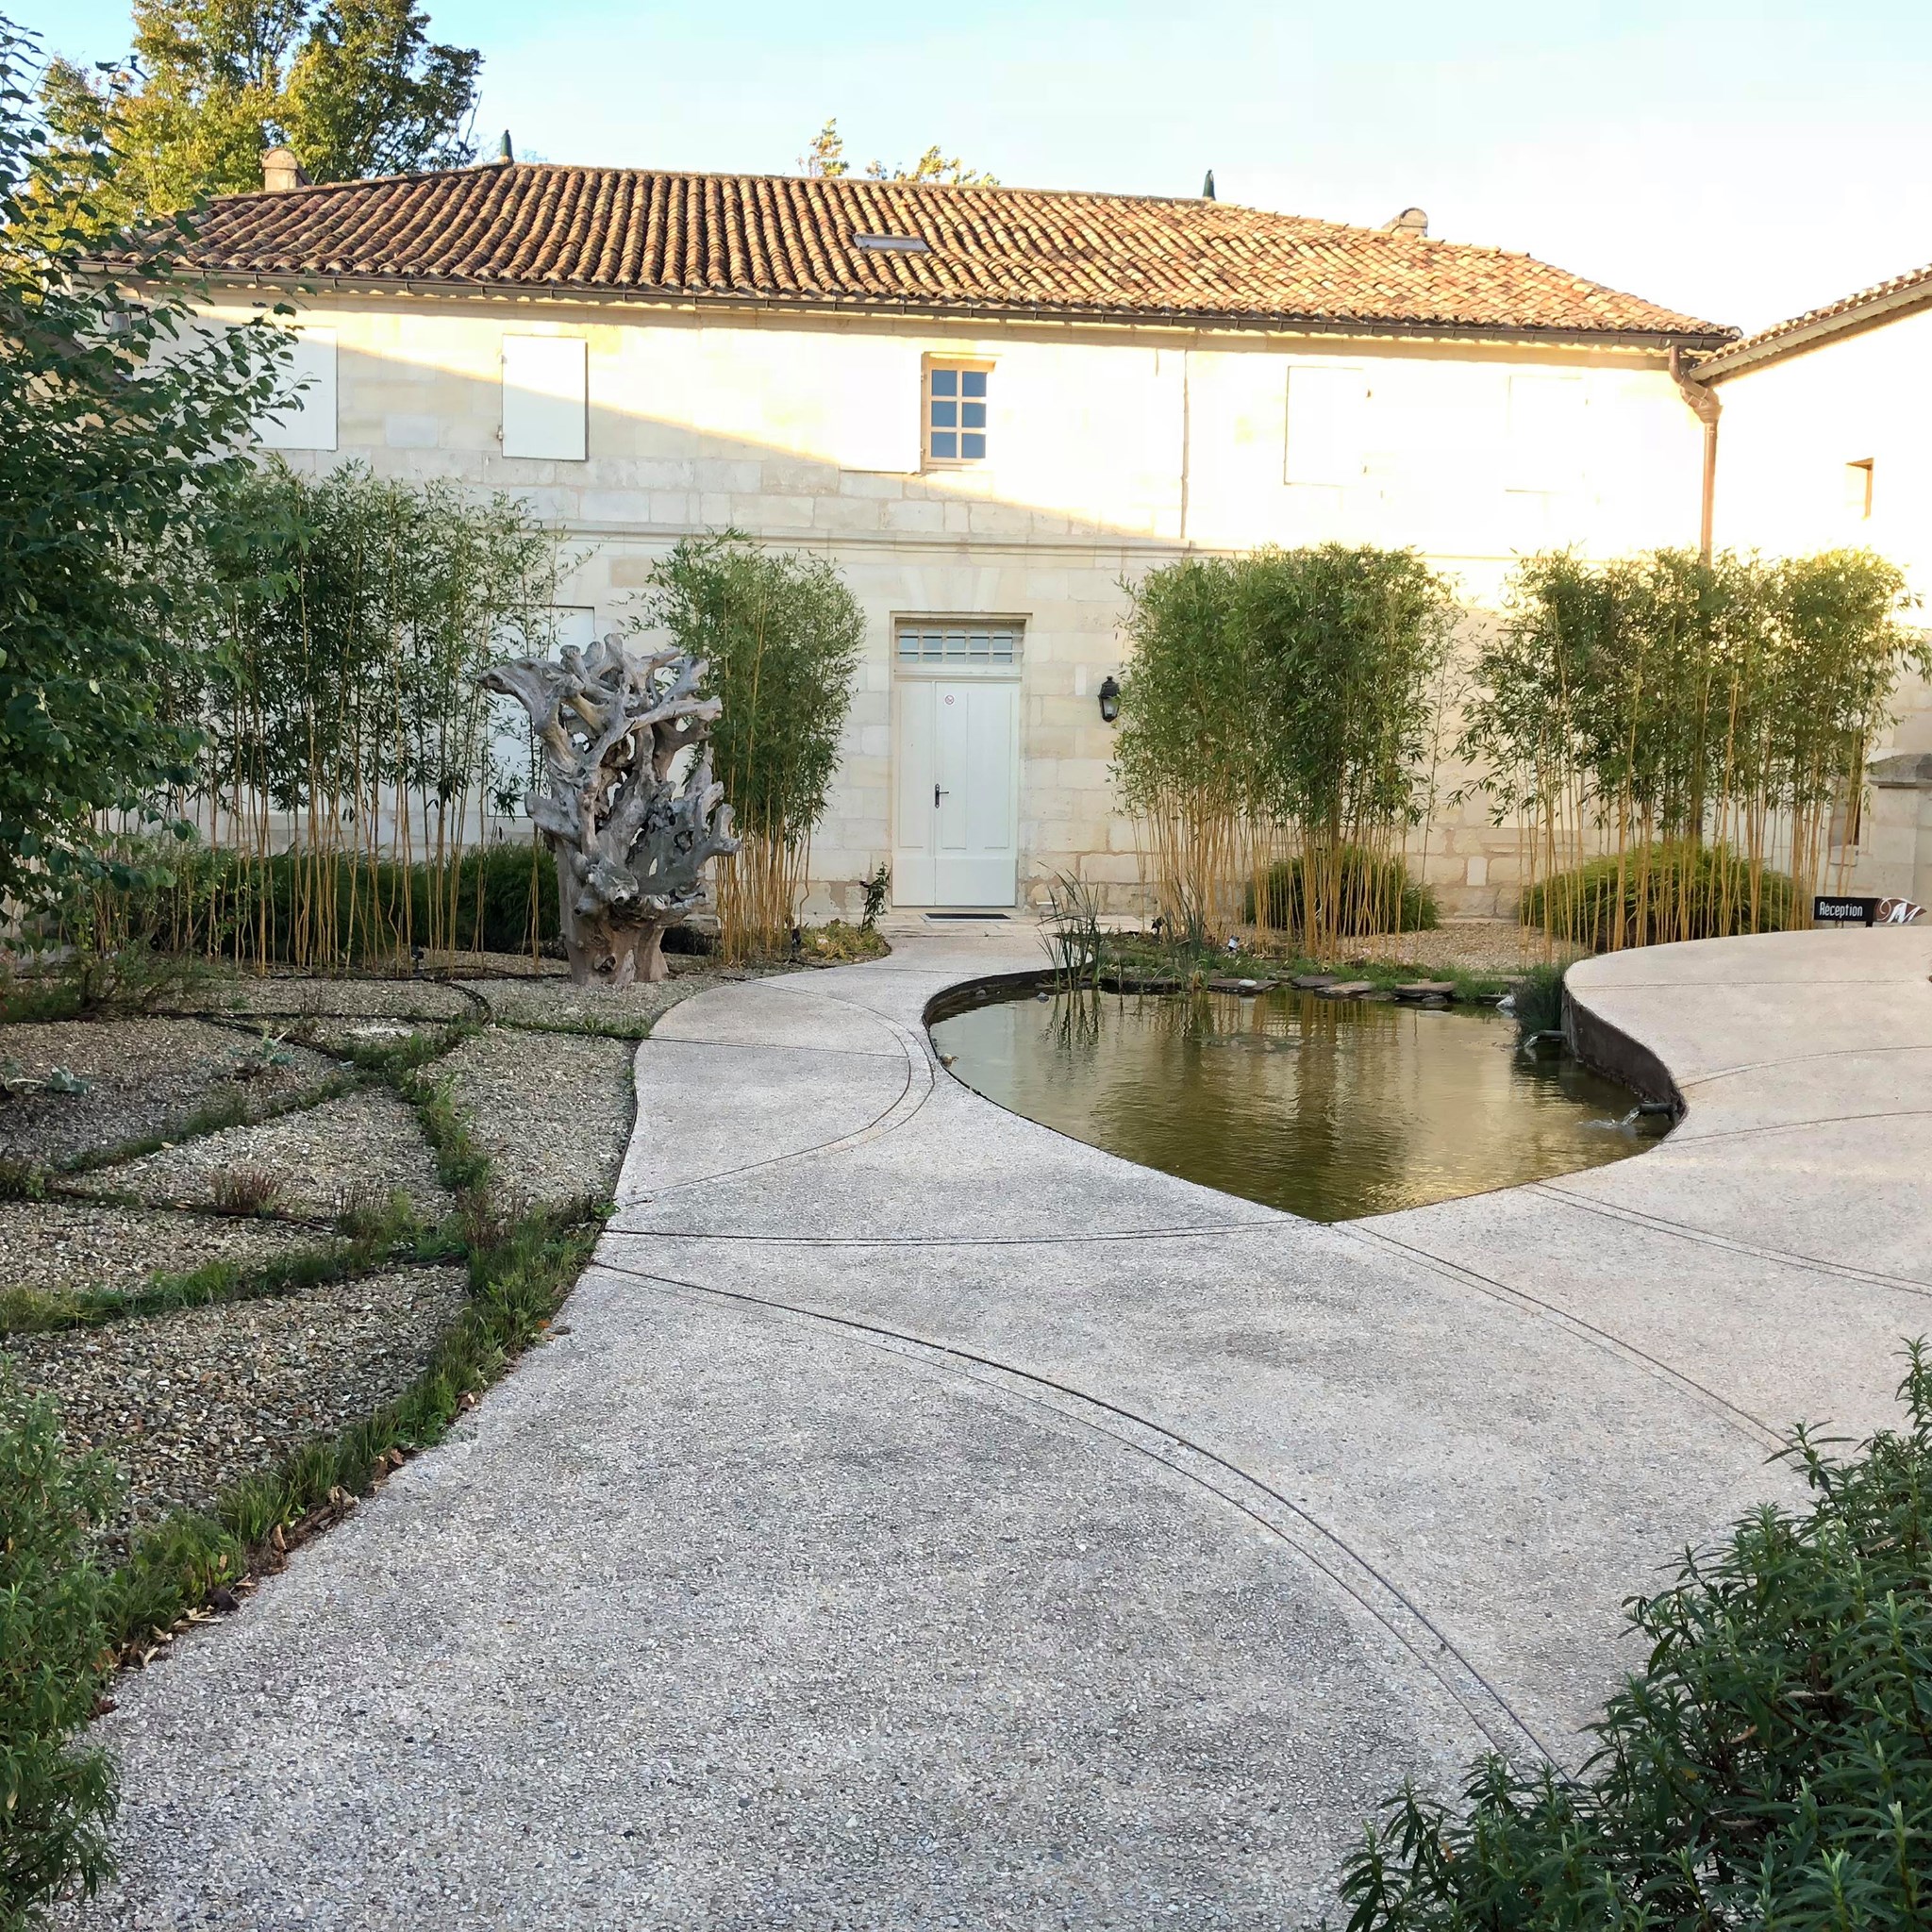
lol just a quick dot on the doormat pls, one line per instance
(969, 915)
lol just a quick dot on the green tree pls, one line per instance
(826, 159)
(122, 425)
(354, 87)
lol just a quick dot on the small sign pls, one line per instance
(1838, 908)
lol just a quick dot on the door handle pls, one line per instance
(937, 795)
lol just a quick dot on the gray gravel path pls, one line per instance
(289, 996)
(552, 1110)
(186, 1403)
(364, 1140)
(554, 1001)
(59, 1246)
(140, 1078)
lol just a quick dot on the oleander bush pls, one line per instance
(1658, 891)
(1769, 1767)
(57, 1794)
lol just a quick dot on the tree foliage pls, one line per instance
(1770, 1766)
(1663, 703)
(826, 159)
(1277, 711)
(782, 634)
(355, 86)
(121, 427)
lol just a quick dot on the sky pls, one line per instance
(1739, 163)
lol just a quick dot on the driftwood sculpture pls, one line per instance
(630, 829)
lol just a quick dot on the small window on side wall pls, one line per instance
(956, 398)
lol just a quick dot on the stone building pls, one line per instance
(1824, 442)
(992, 408)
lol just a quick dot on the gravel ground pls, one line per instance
(185, 1403)
(139, 1077)
(55, 1245)
(342, 1036)
(552, 1111)
(1478, 945)
(393, 999)
(554, 1001)
(364, 1139)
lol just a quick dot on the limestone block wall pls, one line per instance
(1112, 450)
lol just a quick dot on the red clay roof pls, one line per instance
(1846, 308)
(641, 233)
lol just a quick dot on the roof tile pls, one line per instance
(639, 232)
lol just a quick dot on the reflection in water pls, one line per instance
(1330, 1109)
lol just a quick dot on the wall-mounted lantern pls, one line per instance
(1110, 700)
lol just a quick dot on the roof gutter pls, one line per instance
(1655, 340)
(1810, 335)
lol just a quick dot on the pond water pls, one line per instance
(1328, 1109)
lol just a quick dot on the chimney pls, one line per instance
(282, 170)
(1411, 221)
(506, 153)
(1208, 186)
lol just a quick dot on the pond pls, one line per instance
(1323, 1108)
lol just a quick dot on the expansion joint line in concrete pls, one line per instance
(1783, 1257)
(1588, 1331)
(1095, 1237)
(913, 1095)
(1397, 1615)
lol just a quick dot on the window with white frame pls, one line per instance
(544, 397)
(956, 406)
(1327, 425)
(307, 418)
(956, 644)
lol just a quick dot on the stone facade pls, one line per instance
(1113, 449)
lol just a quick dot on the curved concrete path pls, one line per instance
(929, 1520)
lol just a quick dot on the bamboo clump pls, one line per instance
(1678, 737)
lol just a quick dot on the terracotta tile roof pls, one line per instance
(640, 233)
(1815, 323)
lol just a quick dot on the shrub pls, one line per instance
(782, 634)
(1376, 896)
(1667, 892)
(1536, 1000)
(56, 1799)
(1771, 1766)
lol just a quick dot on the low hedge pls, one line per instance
(1667, 892)
(1373, 889)
(1771, 1765)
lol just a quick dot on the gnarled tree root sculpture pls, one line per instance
(630, 824)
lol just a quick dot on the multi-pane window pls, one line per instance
(936, 644)
(956, 402)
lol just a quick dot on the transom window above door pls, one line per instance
(960, 644)
(956, 405)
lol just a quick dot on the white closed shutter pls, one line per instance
(1327, 425)
(1546, 426)
(544, 397)
(307, 421)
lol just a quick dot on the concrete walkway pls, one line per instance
(929, 1520)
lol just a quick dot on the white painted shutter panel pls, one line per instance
(1546, 432)
(1327, 425)
(544, 398)
(875, 407)
(309, 421)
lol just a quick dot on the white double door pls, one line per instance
(958, 761)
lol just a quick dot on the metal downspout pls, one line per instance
(1703, 404)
